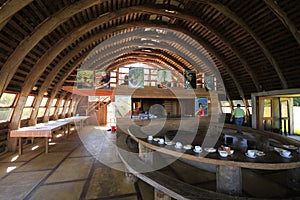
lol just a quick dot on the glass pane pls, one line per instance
(60, 109)
(51, 111)
(235, 102)
(67, 110)
(267, 108)
(26, 113)
(68, 103)
(54, 102)
(226, 109)
(7, 99)
(124, 70)
(44, 101)
(284, 109)
(153, 71)
(225, 103)
(41, 112)
(29, 101)
(62, 102)
(5, 114)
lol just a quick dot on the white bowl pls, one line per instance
(223, 153)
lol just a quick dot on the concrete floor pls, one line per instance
(67, 172)
(86, 166)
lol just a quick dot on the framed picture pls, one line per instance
(136, 77)
(85, 79)
(102, 79)
(190, 81)
(201, 106)
(209, 83)
(164, 78)
(122, 106)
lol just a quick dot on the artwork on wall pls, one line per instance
(85, 79)
(122, 106)
(201, 106)
(209, 83)
(136, 77)
(190, 81)
(102, 79)
(164, 78)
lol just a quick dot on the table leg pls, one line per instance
(46, 144)
(20, 146)
(68, 129)
(81, 124)
(229, 179)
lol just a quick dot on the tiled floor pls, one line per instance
(67, 172)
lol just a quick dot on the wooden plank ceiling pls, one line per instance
(253, 44)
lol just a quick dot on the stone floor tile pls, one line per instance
(62, 191)
(72, 169)
(108, 182)
(44, 161)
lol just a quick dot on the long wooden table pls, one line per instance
(46, 130)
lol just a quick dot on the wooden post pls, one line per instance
(229, 180)
(146, 154)
(158, 195)
(46, 145)
(20, 146)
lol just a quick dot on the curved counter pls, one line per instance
(228, 171)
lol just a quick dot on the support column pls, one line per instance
(229, 180)
(158, 195)
(146, 154)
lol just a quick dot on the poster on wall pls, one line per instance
(122, 106)
(85, 79)
(190, 81)
(201, 106)
(102, 79)
(164, 78)
(209, 83)
(136, 77)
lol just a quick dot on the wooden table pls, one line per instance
(46, 129)
(229, 177)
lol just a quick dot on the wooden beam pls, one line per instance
(282, 16)
(10, 8)
(88, 92)
(15, 59)
(228, 13)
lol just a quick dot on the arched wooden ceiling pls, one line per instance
(253, 43)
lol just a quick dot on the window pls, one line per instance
(61, 107)
(250, 106)
(225, 105)
(27, 110)
(267, 108)
(42, 107)
(6, 106)
(52, 108)
(67, 106)
(236, 102)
